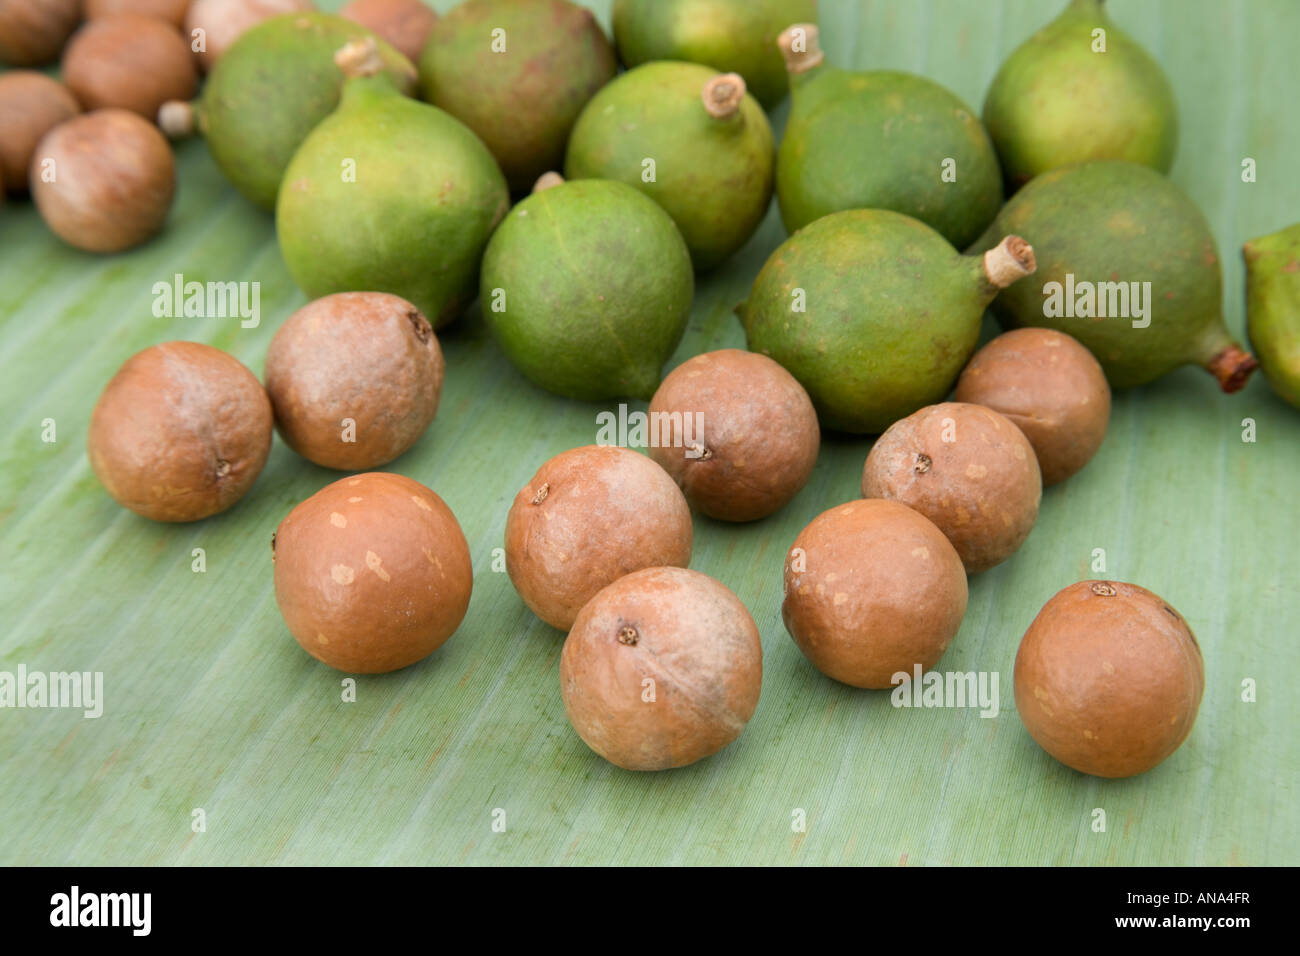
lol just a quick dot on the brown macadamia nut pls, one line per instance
(180, 433)
(31, 104)
(589, 516)
(1051, 387)
(966, 468)
(130, 62)
(32, 32)
(662, 668)
(103, 181)
(355, 379)
(372, 573)
(1109, 678)
(872, 590)
(740, 434)
(403, 23)
(172, 11)
(222, 22)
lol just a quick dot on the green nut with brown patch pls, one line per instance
(518, 73)
(874, 313)
(1128, 265)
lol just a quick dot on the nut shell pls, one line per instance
(1109, 678)
(759, 439)
(180, 433)
(589, 516)
(688, 635)
(966, 468)
(372, 573)
(1050, 387)
(32, 32)
(31, 104)
(130, 62)
(172, 11)
(114, 178)
(365, 356)
(872, 589)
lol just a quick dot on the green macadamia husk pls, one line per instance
(875, 313)
(691, 139)
(881, 140)
(389, 194)
(587, 288)
(1128, 266)
(1061, 99)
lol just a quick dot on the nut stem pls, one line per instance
(1232, 367)
(359, 58)
(801, 46)
(723, 95)
(176, 119)
(547, 181)
(1010, 260)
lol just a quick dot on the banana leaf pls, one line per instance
(221, 742)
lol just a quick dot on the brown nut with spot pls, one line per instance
(589, 516)
(103, 181)
(1051, 387)
(966, 468)
(1109, 678)
(872, 590)
(129, 62)
(662, 668)
(180, 433)
(31, 104)
(737, 433)
(32, 32)
(355, 379)
(372, 573)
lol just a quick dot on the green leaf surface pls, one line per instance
(210, 704)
